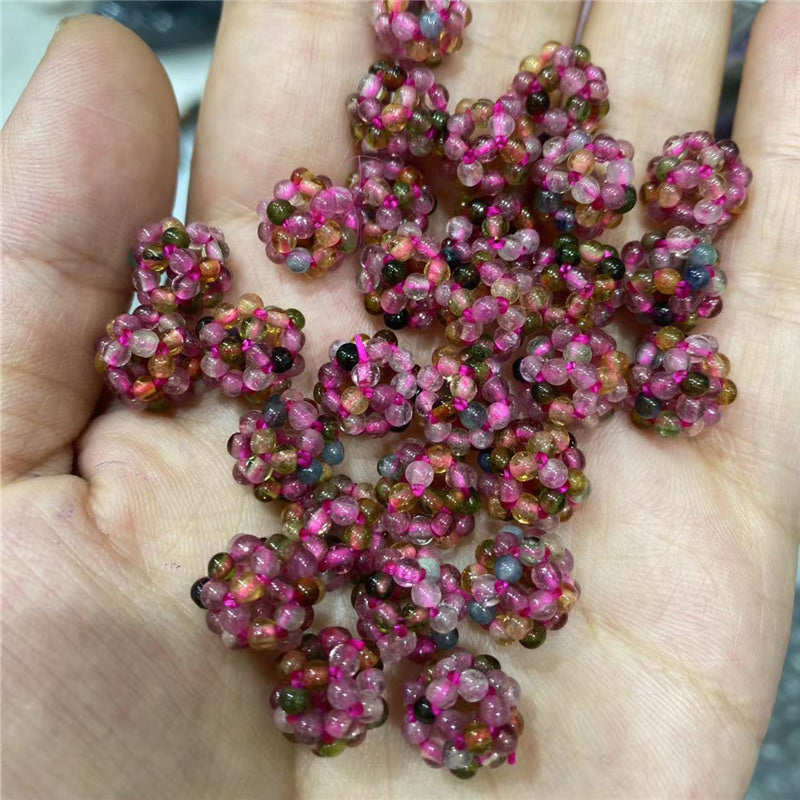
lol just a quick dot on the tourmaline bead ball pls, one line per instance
(149, 359)
(309, 224)
(180, 267)
(285, 447)
(331, 692)
(260, 593)
(679, 384)
(461, 713)
(251, 349)
(521, 586)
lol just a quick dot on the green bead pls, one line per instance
(332, 749)
(695, 384)
(296, 317)
(568, 254)
(404, 193)
(293, 700)
(552, 501)
(394, 272)
(535, 638)
(543, 393)
(665, 166)
(630, 200)
(423, 711)
(439, 120)
(668, 425)
(582, 55)
(220, 566)
(278, 211)
(176, 236)
(578, 108)
(465, 772)
(485, 662)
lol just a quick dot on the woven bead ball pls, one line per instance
(309, 224)
(252, 349)
(461, 712)
(679, 384)
(533, 474)
(397, 111)
(409, 603)
(697, 182)
(368, 384)
(520, 586)
(331, 692)
(259, 593)
(575, 376)
(149, 359)
(180, 267)
(285, 447)
(430, 495)
(420, 32)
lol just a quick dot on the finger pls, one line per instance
(758, 328)
(665, 62)
(88, 154)
(283, 71)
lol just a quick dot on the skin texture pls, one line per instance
(662, 683)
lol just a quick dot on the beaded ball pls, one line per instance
(260, 593)
(420, 32)
(252, 349)
(521, 586)
(368, 384)
(697, 182)
(149, 359)
(674, 278)
(309, 224)
(408, 602)
(331, 692)
(285, 448)
(679, 384)
(462, 714)
(533, 474)
(180, 267)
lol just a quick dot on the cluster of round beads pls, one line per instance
(697, 182)
(429, 494)
(674, 278)
(410, 604)
(285, 447)
(309, 224)
(462, 713)
(420, 32)
(180, 268)
(250, 348)
(148, 358)
(533, 474)
(679, 384)
(331, 692)
(574, 376)
(260, 593)
(521, 586)
(368, 384)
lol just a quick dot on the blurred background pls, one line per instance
(182, 34)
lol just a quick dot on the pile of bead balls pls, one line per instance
(523, 289)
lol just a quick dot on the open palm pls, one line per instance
(663, 681)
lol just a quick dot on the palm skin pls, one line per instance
(663, 681)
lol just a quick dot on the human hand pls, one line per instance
(663, 681)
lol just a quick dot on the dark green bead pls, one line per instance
(394, 272)
(535, 638)
(646, 406)
(281, 359)
(197, 588)
(695, 384)
(278, 211)
(347, 355)
(630, 200)
(466, 772)
(543, 393)
(397, 321)
(568, 254)
(176, 236)
(331, 749)
(476, 211)
(379, 585)
(613, 267)
(537, 103)
(293, 700)
(485, 662)
(552, 501)
(423, 711)
(467, 276)
(296, 317)
(439, 120)
(582, 55)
